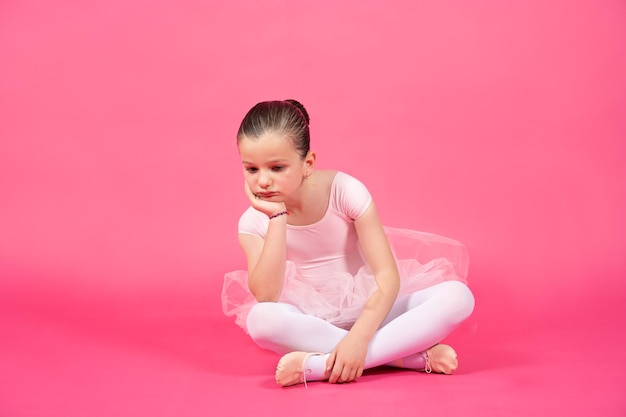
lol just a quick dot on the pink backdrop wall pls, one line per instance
(501, 124)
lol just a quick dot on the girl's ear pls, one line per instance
(310, 158)
(309, 163)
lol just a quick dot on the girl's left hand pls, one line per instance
(268, 207)
(347, 360)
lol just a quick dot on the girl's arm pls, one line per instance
(348, 358)
(266, 260)
(266, 257)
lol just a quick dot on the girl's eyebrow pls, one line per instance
(271, 161)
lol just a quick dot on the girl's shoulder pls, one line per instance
(340, 179)
(348, 195)
(329, 178)
(332, 182)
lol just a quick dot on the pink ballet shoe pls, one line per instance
(290, 369)
(441, 359)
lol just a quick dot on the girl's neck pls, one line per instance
(311, 202)
(300, 203)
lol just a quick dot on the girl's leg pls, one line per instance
(416, 322)
(419, 320)
(283, 328)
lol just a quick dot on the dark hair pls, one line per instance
(287, 117)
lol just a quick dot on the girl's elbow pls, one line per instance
(264, 296)
(393, 291)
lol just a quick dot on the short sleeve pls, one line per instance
(253, 222)
(350, 196)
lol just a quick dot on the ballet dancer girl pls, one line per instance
(327, 285)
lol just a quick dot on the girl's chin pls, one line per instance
(273, 199)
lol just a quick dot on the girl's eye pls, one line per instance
(251, 170)
(278, 168)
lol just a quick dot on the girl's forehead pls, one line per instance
(267, 142)
(269, 146)
(270, 137)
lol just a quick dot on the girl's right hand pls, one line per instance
(268, 207)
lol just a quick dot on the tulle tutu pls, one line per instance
(423, 259)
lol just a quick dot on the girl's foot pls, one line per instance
(292, 370)
(441, 359)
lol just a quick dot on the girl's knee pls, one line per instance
(264, 321)
(460, 300)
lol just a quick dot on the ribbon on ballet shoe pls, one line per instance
(428, 368)
(291, 369)
(441, 359)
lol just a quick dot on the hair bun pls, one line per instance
(300, 107)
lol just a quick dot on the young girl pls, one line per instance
(327, 285)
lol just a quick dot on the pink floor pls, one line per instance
(73, 359)
(500, 124)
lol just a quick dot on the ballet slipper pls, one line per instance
(291, 370)
(441, 359)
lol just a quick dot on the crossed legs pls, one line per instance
(416, 322)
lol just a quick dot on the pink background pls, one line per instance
(500, 124)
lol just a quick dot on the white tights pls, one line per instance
(416, 322)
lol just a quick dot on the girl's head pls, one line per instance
(273, 142)
(288, 119)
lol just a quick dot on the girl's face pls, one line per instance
(272, 167)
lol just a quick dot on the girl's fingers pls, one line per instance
(338, 370)
(348, 375)
(330, 362)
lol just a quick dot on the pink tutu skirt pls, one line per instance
(423, 260)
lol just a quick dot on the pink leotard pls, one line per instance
(326, 276)
(328, 246)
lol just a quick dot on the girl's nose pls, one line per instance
(264, 179)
